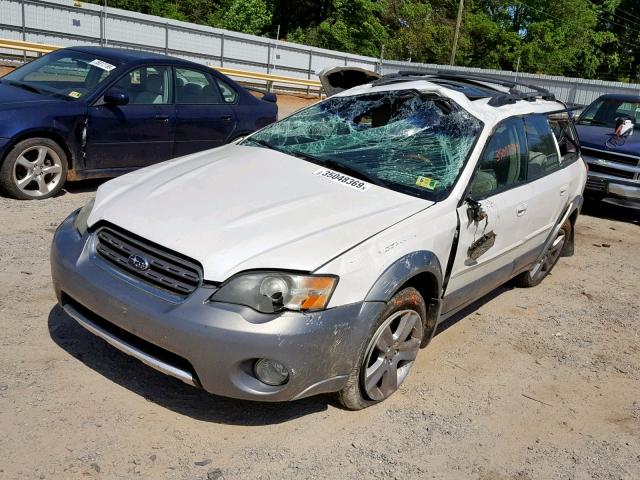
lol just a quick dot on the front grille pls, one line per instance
(596, 184)
(166, 270)
(611, 156)
(609, 170)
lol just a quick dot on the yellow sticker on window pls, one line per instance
(74, 94)
(426, 182)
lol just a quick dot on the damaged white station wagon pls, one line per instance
(320, 253)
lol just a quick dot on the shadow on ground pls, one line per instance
(166, 391)
(468, 310)
(83, 186)
(596, 208)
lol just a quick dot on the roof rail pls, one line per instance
(497, 100)
(491, 79)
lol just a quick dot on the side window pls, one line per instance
(543, 155)
(196, 87)
(147, 86)
(229, 95)
(563, 130)
(503, 162)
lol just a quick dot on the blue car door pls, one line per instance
(205, 118)
(136, 134)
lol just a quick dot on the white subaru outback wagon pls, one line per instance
(320, 253)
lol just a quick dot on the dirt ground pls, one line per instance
(530, 384)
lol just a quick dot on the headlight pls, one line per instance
(270, 292)
(80, 222)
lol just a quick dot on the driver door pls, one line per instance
(139, 133)
(493, 219)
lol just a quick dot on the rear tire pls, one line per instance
(543, 267)
(389, 352)
(34, 169)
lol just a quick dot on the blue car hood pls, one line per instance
(12, 98)
(596, 136)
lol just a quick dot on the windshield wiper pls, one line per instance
(25, 86)
(591, 122)
(356, 172)
(262, 142)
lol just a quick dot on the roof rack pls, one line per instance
(498, 98)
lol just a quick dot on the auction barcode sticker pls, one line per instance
(103, 65)
(342, 179)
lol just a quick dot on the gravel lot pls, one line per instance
(527, 384)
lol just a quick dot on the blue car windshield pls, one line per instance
(66, 73)
(402, 140)
(605, 111)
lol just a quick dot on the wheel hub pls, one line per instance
(391, 353)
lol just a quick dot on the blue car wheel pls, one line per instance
(34, 169)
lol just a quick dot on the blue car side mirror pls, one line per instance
(116, 97)
(270, 97)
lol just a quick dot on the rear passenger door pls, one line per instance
(490, 243)
(549, 183)
(204, 117)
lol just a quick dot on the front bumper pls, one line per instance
(611, 189)
(207, 344)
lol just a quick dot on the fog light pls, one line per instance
(271, 372)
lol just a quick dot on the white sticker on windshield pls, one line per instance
(103, 65)
(343, 179)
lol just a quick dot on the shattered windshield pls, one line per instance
(403, 140)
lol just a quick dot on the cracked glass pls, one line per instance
(405, 140)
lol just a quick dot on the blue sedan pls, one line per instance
(88, 112)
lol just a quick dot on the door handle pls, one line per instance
(162, 118)
(521, 209)
(563, 190)
(226, 118)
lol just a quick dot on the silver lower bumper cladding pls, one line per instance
(153, 362)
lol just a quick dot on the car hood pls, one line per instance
(13, 98)
(592, 136)
(237, 208)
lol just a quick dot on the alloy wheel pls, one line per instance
(37, 171)
(391, 353)
(550, 257)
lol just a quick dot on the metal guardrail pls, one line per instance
(267, 77)
(26, 46)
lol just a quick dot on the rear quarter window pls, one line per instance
(565, 134)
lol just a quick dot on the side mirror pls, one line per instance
(116, 97)
(270, 97)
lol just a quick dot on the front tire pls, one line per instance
(389, 352)
(550, 257)
(34, 169)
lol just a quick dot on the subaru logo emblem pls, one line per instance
(138, 262)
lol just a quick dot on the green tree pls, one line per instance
(247, 16)
(418, 31)
(351, 26)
